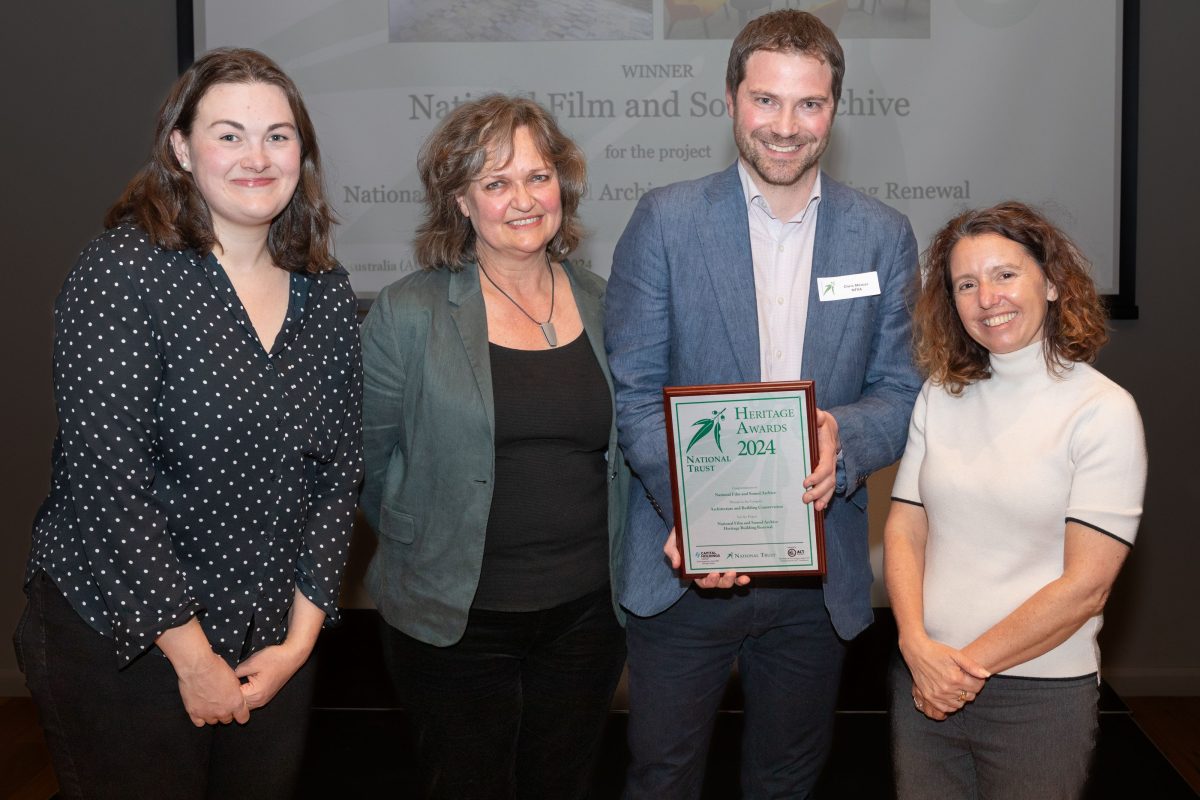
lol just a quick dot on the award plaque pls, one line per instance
(739, 454)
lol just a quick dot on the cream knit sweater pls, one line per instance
(1000, 470)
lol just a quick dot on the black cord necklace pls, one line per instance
(547, 326)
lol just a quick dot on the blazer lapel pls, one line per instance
(591, 311)
(470, 318)
(724, 231)
(837, 250)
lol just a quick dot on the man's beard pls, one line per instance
(774, 171)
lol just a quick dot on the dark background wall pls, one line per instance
(83, 81)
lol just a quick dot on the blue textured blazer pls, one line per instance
(681, 311)
(429, 445)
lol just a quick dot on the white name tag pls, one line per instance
(844, 287)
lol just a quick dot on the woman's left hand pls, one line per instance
(944, 679)
(267, 671)
(925, 704)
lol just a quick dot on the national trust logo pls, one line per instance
(706, 426)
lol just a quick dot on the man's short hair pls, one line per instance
(786, 31)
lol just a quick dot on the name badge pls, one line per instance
(845, 287)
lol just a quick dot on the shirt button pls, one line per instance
(781, 300)
(779, 354)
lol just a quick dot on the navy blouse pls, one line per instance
(194, 473)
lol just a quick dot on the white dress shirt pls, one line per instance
(782, 251)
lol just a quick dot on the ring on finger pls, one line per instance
(917, 702)
(962, 695)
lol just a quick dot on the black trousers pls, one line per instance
(124, 734)
(515, 709)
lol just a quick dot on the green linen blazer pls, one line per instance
(429, 445)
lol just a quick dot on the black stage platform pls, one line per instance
(358, 745)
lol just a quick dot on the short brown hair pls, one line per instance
(786, 31)
(163, 200)
(1074, 329)
(458, 151)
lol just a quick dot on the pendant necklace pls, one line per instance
(547, 326)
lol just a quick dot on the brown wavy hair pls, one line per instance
(786, 31)
(163, 200)
(1075, 327)
(458, 150)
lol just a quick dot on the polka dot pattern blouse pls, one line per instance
(195, 474)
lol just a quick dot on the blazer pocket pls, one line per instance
(398, 526)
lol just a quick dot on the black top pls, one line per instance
(547, 533)
(194, 473)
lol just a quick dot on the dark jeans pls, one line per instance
(1020, 738)
(789, 663)
(517, 707)
(124, 734)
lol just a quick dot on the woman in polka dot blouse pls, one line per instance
(208, 383)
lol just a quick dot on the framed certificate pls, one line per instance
(739, 455)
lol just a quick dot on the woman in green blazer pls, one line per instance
(493, 476)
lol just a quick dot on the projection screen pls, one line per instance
(946, 103)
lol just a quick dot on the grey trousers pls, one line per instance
(1021, 738)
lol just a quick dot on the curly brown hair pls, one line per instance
(164, 201)
(1075, 327)
(459, 149)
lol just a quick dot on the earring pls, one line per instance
(185, 165)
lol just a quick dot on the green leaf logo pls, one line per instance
(828, 289)
(705, 427)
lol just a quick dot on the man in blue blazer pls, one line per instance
(769, 270)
